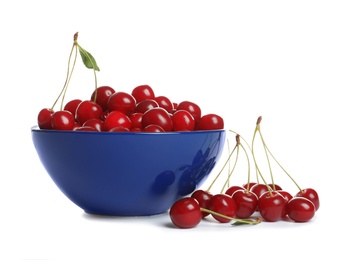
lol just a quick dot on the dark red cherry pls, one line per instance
(185, 213)
(101, 96)
(44, 118)
(203, 198)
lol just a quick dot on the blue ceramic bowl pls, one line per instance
(127, 173)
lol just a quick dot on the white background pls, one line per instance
(239, 59)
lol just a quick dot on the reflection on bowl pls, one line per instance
(127, 173)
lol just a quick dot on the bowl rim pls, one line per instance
(35, 128)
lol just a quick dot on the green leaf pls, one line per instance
(88, 59)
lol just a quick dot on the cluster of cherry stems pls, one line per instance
(250, 203)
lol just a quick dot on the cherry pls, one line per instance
(87, 110)
(271, 206)
(249, 185)
(223, 204)
(203, 198)
(121, 101)
(153, 129)
(119, 129)
(72, 105)
(157, 116)
(63, 120)
(259, 189)
(210, 122)
(94, 123)
(186, 213)
(145, 105)
(310, 194)
(182, 120)
(164, 102)
(191, 107)
(300, 209)
(44, 118)
(136, 119)
(85, 129)
(142, 92)
(246, 203)
(101, 96)
(230, 190)
(115, 119)
(274, 186)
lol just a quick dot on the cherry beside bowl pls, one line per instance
(127, 173)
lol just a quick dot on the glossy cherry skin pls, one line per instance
(185, 213)
(87, 110)
(121, 101)
(223, 204)
(63, 120)
(271, 206)
(153, 129)
(115, 119)
(191, 107)
(182, 120)
(246, 203)
(145, 105)
(203, 198)
(44, 118)
(142, 92)
(101, 96)
(119, 129)
(230, 190)
(300, 209)
(251, 184)
(310, 194)
(164, 102)
(274, 186)
(210, 122)
(259, 189)
(85, 129)
(157, 116)
(136, 119)
(95, 123)
(72, 105)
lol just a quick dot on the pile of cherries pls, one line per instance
(141, 110)
(250, 203)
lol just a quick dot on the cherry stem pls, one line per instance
(224, 166)
(267, 151)
(250, 149)
(68, 76)
(246, 221)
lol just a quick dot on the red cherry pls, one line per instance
(203, 198)
(271, 206)
(274, 186)
(300, 209)
(246, 203)
(121, 101)
(287, 196)
(210, 122)
(85, 129)
(259, 189)
(87, 110)
(164, 102)
(230, 190)
(136, 119)
(116, 118)
(185, 213)
(153, 129)
(182, 120)
(223, 204)
(157, 116)
(44, 118)
(145, 105)
(142, 92)
(63, 120)
(191, 107)
(310, 194)
(72, 105)
(251, 184)
(119, 129)
(94, 123)
(102, 95)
